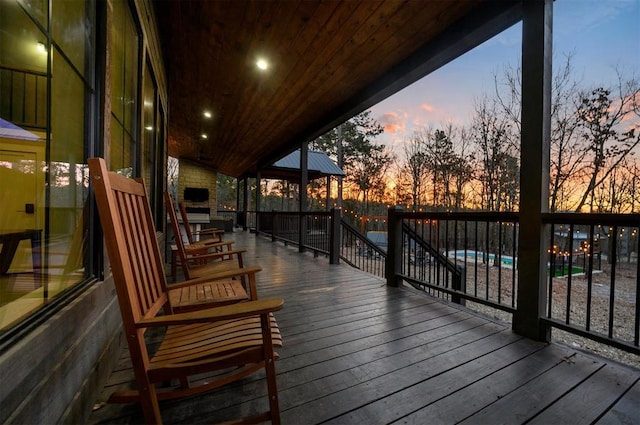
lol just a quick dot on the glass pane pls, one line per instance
(149, 125)
(23, 135)
(72, 31)
(68, 180)
(37, 9)
(124, 80)
(44, 179)
(118, 158)
(117, 60)
(131, 74)
(23, 66)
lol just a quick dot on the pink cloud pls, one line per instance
(392, 122)
(427, 107)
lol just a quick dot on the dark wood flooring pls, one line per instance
(359, 352)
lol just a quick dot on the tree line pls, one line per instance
(450, 167)
(593, 163)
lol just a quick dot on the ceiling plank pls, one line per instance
(330, 60)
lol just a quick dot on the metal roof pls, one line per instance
(318, 165)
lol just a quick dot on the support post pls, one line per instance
(335, 241)
(534, 174)
(245, 206)
(258, 199)
(329, 206)
(237, 201)
(340, 165)
(393, 265)
(304, 178)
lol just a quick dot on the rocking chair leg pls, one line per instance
(150, 407)
(184, 382)
(270, 369)
(274, 405)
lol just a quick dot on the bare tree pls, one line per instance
(415, 166)
(601, 125)
(367, 172)
(497, 160)
(400, 187)
(567, 149)
(462, 167)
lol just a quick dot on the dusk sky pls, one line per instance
(602, 35)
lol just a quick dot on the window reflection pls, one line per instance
(124, 83)
(43, 141)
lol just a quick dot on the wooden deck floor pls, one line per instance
(358, 352)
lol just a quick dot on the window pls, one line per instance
(125, 43)
(152, 169)
(46, 93)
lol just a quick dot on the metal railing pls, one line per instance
(360, 252)
(592, 282)
(461, 256)
(24, 94)
(593, 285)
(593, 275)
(309, 230)
(247, 219)
(228, 215)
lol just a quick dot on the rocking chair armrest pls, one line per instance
(209, 231)
(214, 255)
(222, 275)
(227, 312)
(216, 244)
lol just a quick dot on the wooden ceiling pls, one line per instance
(328, 60)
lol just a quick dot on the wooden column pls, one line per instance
(245, 202)
(258, 199)
(329, 206)
(335, 241)
(534, 175)
(304, 178)
(393, 263)
(340, 165)
(238, 204)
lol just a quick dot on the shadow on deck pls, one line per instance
(358, 352)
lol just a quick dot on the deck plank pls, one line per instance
(456, 406)
(586, 402)
(625, 410)
(538, 394)
(356, 351)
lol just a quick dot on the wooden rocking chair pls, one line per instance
(198, 261)
(215, 234)
(191, 246)
(237, 339)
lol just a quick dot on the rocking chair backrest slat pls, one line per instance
(151, 257)
(141, 248)
(187, 228)
(177, 235)
(131, 243)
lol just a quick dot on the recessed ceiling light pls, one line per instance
(262, 64)
(149, 128)
(207, 114)
(204, 136)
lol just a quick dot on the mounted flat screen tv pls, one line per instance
(196, 194)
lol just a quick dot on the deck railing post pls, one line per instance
(394, 246)
(334, 237)
(459, 283)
